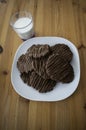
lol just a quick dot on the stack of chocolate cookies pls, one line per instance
(42, 66)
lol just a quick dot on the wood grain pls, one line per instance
(51, 18)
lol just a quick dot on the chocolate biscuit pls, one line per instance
(26, 77)
(57, 68)
(39, 66)
(38, 51)
(40, 84)
(63, 50)
(24, 63)
(69, 77)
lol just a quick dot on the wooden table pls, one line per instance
(64, 18)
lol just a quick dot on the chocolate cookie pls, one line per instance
(26, 77)
(38, 51)
(57, 68)
(63, 50)
(24, 63)
(39, 66)
(69, 77)
(40, 84)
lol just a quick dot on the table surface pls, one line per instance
(63, 18)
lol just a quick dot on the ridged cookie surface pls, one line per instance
(24, 64)
(63, 50)
(26, 77)
(38, 51)
(39, 66)
(57, 68)
(40, 84)
(69, 77)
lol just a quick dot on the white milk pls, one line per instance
(24, 27)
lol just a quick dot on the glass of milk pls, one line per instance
(22, 23)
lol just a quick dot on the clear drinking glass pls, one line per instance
(22, 23)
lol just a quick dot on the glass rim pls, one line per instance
(19, 12)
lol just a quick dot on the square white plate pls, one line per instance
(61, 91)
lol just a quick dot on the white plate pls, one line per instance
(61, 91)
